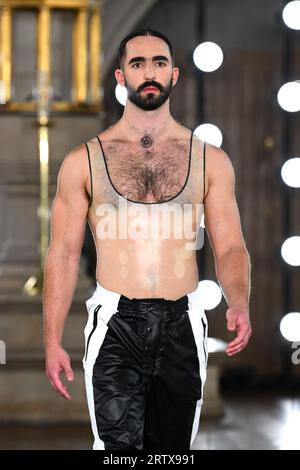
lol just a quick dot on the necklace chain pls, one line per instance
(147, 139)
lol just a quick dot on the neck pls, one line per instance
(136, 122)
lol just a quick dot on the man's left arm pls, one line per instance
(232, 260)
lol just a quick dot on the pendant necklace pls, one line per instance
(146, 141)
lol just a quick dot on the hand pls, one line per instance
(57, 359)
(238, 320)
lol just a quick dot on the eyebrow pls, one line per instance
(143, 59)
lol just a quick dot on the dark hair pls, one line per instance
(143, 32)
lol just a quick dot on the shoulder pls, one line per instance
(76, 157)
(74, 167)
(218, 164)
(181, 135)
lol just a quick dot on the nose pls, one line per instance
(149, 70)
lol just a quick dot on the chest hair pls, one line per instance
(143, 175)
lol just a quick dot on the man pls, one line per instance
(142, 184)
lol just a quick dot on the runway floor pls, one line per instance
(258, 423)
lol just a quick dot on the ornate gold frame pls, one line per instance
(87, 21)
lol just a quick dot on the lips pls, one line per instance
(150, 88)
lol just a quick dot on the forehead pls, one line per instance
(146, 46)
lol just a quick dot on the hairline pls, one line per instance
(146, 35)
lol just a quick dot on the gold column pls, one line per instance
(5, 53)
(95, 47)
(43, 42)
(44, 71)
(80, 56)
(34, 284)
(44, 194)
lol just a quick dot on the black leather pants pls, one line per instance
(143, 373)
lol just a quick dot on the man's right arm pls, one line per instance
(68, 221)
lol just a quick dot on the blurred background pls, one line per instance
(238, 88)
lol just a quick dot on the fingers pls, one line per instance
(54, 377)
(69, 372)
(239, 343)
(52, 383)
(238, 319)
(58, 360)
(237, 349)
(231, 325)
(58, 385)
(242, 333)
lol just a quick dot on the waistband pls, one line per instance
(152, 300)
(111, 298)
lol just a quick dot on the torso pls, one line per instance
(137, 191)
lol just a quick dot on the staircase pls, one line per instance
(25, 392)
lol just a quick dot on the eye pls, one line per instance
(136, 63)
(161, 63)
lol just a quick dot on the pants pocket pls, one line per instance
(204, 326)
(88, 336)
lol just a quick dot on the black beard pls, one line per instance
(150, 101)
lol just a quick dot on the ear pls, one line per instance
(120, 77)
(175, 75)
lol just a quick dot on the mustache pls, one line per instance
(147, 84)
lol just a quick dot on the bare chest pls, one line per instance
(148, 176)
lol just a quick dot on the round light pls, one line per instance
(290, 172)
(290, 326)
(291, 15)
(211, 294)
(290, 251)
(208, 56)
(289, 96)
(216, 345)
(210, 133)
(121, 94)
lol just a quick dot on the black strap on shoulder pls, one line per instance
(91, 176)
(100, 143)
(204, 146)
(191, 142)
